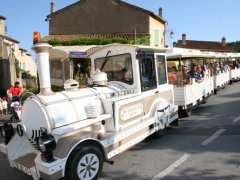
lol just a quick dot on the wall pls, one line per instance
(156, 32)
(96, 17)
(5, 78)
(26, 62)
(2, 27)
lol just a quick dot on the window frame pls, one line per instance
(157, 69)
(140, 56)
(117, 55)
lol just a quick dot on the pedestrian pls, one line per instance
(14, 92)
(4, 106)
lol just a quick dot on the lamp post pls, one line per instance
(169, 32)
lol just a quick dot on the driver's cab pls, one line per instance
(141, 72)
(140, 68)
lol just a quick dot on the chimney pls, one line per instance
(43, 67)
(52, 7)
(160, 12)
(223, 42)
(184, 39)
(2, 25)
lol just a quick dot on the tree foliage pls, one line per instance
(145, 40)
(235, 45)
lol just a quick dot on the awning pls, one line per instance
(71, 52)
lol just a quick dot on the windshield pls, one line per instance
(118, 68)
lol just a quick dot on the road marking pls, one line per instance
(213, 137)
(172, 167)
(236, 119)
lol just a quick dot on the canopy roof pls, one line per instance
(176, 53)
(72, 52)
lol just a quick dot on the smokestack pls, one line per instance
(184, 39)
(52, 7)
(2, 25)
(43, 67)
(223, 41)
(160, 12)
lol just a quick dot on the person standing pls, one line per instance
(4, 106)
(15, 92)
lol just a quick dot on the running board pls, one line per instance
(26, 164)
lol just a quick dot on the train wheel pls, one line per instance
(184, 113)
(188, 113)
(85, 163)
(204, 101)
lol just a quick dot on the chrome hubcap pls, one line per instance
(88, 167)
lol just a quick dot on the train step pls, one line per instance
(26, 164)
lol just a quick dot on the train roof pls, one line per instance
(66, 52)
(176, 53)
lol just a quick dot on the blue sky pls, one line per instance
(200, 19)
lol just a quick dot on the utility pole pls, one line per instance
(135, 35)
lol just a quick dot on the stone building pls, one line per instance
(106, 18)
(214, 46)
(10, 55)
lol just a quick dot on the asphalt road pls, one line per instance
(205, 146)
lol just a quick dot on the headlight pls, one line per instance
(47, 144)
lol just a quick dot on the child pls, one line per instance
(4, 105)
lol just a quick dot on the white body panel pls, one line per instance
(192, 93)
(235, 74)
(221, 79)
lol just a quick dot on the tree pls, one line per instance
(235, 45)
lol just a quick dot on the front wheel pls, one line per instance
(85, 163)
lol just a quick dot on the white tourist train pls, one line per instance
(73, 132)
(196, 75)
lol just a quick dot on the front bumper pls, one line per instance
(50, 171)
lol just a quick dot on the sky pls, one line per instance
(199, 19)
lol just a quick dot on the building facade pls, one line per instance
(106, 18)
(214, 46)
(12, 57)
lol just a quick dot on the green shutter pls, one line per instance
(156, 37)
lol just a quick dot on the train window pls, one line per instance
(173, 71)
(148, 72)
(161, 66)
(118, 68)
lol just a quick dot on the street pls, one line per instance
(204, 146)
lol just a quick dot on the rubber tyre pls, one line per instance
(78, 154)
(188, 113)
(204, 101)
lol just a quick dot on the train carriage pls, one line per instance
(234, 62)
(190, 89)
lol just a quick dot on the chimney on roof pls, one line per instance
(160, 12)
(2, 25)
(184, 39)
(223, 41)
(52, 7)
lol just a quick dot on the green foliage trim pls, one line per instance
(140, 40)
